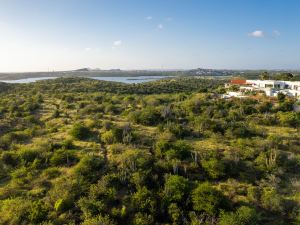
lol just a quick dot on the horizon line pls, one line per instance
(146, 69)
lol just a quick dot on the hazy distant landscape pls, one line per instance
(142, 73)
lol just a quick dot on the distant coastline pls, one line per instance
(141, 73)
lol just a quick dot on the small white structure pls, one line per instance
(236, 94)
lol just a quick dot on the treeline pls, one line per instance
(271, 75)
(4, 87)
(172, 85)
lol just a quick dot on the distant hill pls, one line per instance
(83, 70)
(211, 72)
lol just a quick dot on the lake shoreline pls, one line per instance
(122, 79)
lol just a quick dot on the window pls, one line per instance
(277, 86)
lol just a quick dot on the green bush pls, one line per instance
(80, 132)
(51, 173)
(90, 167)
(61, 205)
(38, 212)
(207, 199)
(175, 213)
(271, 200)
(108, 137)
(176, 188)
(63, 158)
(143, 219)
(148, 116)
(143, 200)
(10, 159)
(242, 216)
(290, 119)
(213, 167)
(14, 211)
(28, 155)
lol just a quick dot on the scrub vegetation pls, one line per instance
(81, 151)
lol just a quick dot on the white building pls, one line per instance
(270, 87)
(273, 87)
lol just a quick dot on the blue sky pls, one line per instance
(142, 34)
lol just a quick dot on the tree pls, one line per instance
(178, 150)
(143, 201)
(284, 76)
(264, 75)
(176, 187)
(214, 167)
(206, 198)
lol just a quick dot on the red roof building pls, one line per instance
(239, 82)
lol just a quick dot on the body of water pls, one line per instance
(27, 80)
(128, 80)
(131, 80)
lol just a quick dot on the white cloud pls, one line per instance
(160, 26)
(88, 49)
(117, 43)
(276, 33)
(149, 18)
(257, 34)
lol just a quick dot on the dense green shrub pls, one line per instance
(80, 132)
(143, 200)
(28, 155)
(207, 199)
(90, 167)
(242, 216)
(148, 116)
(214, 167)
(38, 212)
(176, 188)
(108, 137)
(10, 158)
(271, 200)
(63, 158)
